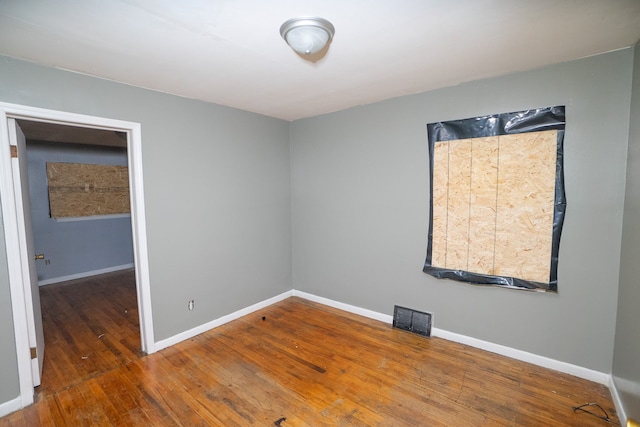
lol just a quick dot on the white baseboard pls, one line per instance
(346, 307)
(84, 274)
(545, 362)
(535, 359)
(615, 396)
(10, 406)
(168, 342)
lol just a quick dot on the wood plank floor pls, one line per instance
(90, 326)
(295, 363)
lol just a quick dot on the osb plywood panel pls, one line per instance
(493, 204)
(458, 204)
(440, 203)
(77, 190)
(482, 211)
(526, 182)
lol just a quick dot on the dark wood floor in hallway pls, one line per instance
(295, 363)
(90, 326)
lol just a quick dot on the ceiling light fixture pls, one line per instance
(307, 35)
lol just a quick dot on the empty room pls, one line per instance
(320, 213)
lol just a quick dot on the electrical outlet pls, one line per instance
(191, 305)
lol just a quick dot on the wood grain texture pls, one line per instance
(459, 193)
(90, 326)
(483, 200)
(526, 202)
(303, 364)
(493, 203)
(77, 190)
(440, 198)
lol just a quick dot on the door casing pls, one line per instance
(14, 260)
(27, 249)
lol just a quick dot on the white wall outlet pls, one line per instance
(191, 305)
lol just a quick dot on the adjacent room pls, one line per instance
(319, 213)
(81, 223)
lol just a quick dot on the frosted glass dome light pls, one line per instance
(307, 35)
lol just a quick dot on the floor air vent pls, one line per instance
(410, 320)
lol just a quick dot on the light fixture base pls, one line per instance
(307, 35)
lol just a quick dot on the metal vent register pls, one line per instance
(410, 320)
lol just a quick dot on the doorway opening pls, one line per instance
(18, 257)
(80, 216)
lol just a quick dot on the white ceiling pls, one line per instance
(230, 51)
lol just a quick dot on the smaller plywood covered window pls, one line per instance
(77, 190)
(497, 199)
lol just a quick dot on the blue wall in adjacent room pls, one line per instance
(75, 247)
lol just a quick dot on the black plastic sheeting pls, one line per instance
(537, 120)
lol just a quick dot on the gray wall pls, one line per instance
(360, 195)
(9, 386)
(74, 247)
(217, 196)
(626, 366)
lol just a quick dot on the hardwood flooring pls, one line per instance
(90, 326)
(295, 363)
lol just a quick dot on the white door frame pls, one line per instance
(9, 215)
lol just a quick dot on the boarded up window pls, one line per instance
(497, 199)
(77, 190)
